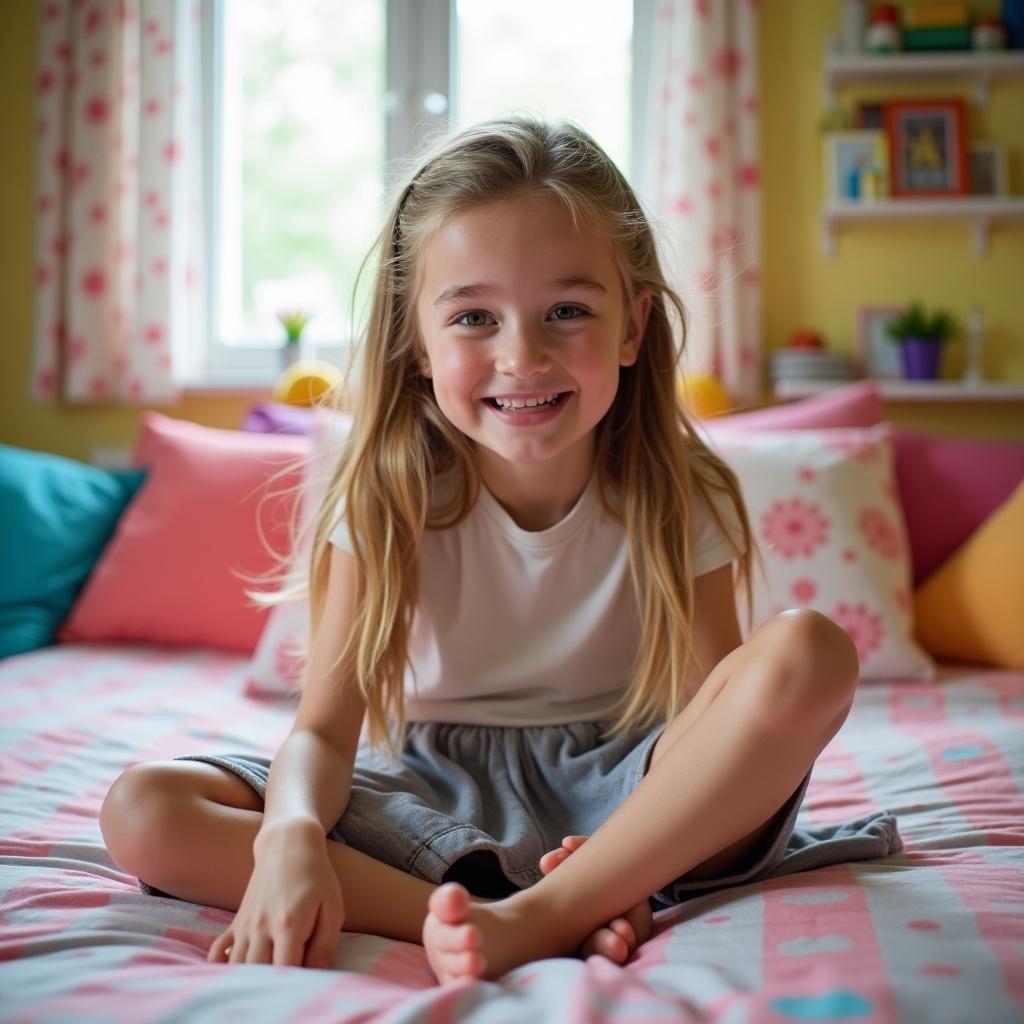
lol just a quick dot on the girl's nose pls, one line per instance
(522, 353)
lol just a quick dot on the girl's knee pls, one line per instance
(813, 660)
(138, 814)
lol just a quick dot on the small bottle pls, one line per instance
(972, 339)
(854, 21)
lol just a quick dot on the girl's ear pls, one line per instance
(636, 327)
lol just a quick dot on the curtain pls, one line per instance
(117, 247)
(699, 177)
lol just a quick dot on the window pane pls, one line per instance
(302, 188)
(556, 58)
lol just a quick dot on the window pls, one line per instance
(314, 101)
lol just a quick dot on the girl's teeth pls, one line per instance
(530, 403)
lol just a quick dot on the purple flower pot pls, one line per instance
(920, 358)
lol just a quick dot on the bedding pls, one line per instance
(934, 933)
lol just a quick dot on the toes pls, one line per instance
(606, 943)
(449, 903)
(465, 938)
(470, 964)
(621, 927)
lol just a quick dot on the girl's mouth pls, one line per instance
(529, 415)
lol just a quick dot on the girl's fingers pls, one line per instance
(324, 940)
(217, 947)
(572, 843)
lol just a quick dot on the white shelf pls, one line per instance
(981, 210)
(982, 67)
(914, 391)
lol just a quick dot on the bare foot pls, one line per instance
(466, 940)
(620, 937)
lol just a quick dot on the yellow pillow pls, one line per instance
(972, 607)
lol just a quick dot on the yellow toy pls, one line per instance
(703, 395)
(305, 381)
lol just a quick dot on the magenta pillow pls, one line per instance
(853, 405)
(169, 575)
(949, 486)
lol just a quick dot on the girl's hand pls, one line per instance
(617, 940)
(292, 909)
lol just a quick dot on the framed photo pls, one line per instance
(877, 353)
(846, 156)
(928, 143)
(987, 172)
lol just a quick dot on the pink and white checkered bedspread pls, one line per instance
(933, 934)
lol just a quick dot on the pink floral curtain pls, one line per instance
(700, 179)
(118, 270)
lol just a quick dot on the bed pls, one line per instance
(109, 669)
(934, 933)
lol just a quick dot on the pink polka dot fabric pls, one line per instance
(118, 206)
(825, 513)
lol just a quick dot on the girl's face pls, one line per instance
(514, 306)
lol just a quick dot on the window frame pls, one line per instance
(421, 58)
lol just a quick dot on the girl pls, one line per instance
(522, 581)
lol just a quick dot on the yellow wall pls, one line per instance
(875, 264)
(887, 263)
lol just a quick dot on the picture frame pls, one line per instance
(988, 173)
(928, 147)
(846, 154)
(877, 354)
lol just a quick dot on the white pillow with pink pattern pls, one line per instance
(825, 511)
(277, 666)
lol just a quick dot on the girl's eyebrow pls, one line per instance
(473, 291)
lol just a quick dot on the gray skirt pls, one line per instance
(480, 805)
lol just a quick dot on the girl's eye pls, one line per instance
(578, 309)
(475, 312)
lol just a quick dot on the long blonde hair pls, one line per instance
(650, 460)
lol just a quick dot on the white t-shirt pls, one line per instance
(519, 627)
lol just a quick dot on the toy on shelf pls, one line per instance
(883, 33)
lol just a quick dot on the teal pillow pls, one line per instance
(56, 516)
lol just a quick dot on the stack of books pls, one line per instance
(812, 365)
(936, 26)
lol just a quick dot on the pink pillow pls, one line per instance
(825, 513)
(853, 405)
(949, 486)
(170, 574)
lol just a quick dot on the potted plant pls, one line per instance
(294, 323)
(920, 336)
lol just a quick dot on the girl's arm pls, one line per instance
(716, 632)
(311, 774)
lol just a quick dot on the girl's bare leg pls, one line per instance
(787, 692)
(210, 862)
(619, 939)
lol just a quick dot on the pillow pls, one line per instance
(56, 515)
(278, 418)
(277, 667)
(972, 607)
(852, 405)
(175, 571)
(824, 510)
(967, 478)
